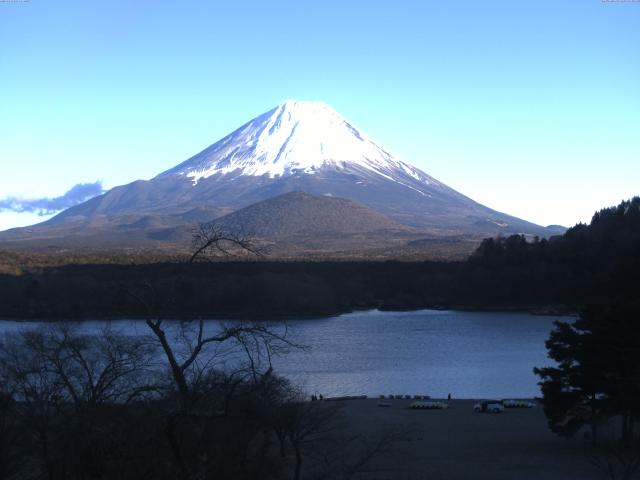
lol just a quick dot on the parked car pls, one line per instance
(518, 404)
(489, 406)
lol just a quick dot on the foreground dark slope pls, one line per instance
(300, 213)
(601, 260)
(309, 226)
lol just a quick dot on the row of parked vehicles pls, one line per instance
(424, 402)
(498, 406)
(485, 406)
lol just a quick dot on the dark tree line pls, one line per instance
(595, 262)
(599, 260)
(595, 383)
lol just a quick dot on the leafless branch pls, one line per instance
(213, 238)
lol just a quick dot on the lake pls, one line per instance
(425, 352)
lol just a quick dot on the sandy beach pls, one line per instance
(457, 443)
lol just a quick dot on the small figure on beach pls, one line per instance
(449, 397)
(321, 397)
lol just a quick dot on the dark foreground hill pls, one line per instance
(302, 224)
(589, 262)
(300, 213)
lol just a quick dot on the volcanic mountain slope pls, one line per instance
(301, 146)
(297, 146)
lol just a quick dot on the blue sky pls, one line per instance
(532, 108)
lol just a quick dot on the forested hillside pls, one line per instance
(600, 260)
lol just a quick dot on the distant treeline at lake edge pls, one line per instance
(589, 262)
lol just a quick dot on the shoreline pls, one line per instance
(547, 311)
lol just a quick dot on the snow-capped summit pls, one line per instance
(296, 137)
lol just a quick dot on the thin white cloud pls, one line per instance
(79, 193)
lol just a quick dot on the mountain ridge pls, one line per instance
(297, 146)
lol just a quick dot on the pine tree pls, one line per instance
(597, 375)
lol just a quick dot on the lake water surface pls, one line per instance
(432, 352)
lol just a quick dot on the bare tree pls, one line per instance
(82, 369)
(203, 358)
(213, 238)
(259, 341)
(60, 378)
(27, 378)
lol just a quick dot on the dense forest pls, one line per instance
(588, 261)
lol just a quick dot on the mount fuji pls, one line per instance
(299, 146)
